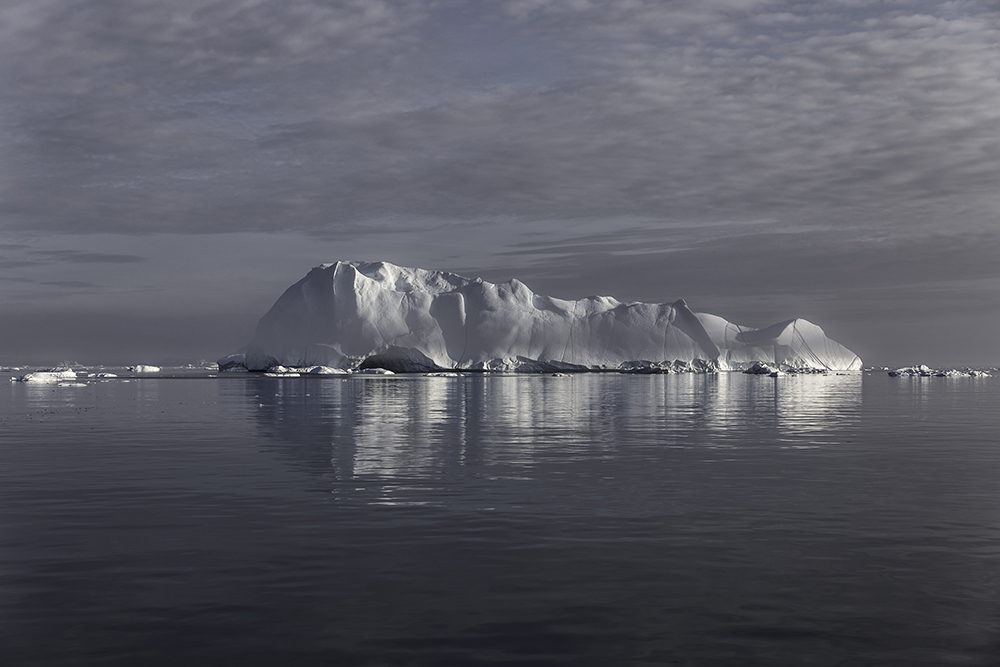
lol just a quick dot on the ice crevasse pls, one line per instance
(379, 315)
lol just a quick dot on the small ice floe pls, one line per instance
(72, 384)
(667, 367)
(233, 363)
(48, 376)
(645, 368)
(286, 372)
(760, 368)
(443, 375)
(967, 373)
(144, 368)
(560, 375)
(373, 371)
(327, 370)
(776, 373)
(105, 376)
(322, 370)
(926, 371)
(912, 371)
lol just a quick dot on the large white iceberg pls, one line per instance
(378, 315)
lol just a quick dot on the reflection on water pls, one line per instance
(419, 427)
(583, 520)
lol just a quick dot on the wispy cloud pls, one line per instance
(80, 257)
(197, 117)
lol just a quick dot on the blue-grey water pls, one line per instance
(487, 520)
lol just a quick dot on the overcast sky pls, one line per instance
(167, 169)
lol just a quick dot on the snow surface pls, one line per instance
(367, 315)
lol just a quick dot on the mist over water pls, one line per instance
(590, 519)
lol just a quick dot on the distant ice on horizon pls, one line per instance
(350, 315)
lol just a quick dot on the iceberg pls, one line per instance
(361, 315)
(49, 376)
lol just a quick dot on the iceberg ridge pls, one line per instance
(378, 315)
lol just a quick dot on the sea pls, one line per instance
(195, 518)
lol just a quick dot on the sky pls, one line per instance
(168, 169)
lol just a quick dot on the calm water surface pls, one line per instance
(489, 520)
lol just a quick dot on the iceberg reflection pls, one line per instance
(419, 427)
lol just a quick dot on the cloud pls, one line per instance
(71, 284)
(210, 117)
(80, 257)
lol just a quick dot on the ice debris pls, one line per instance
(233, 363)
(144, 368)
(326, 370)
(926, 371)
(352, 315)
(760, 368)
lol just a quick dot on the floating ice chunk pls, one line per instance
(373, 371)
(326, 370)
(144, 368)
(759, 368)
(910, 371)
(664, 367)
(233, 363)
(49, 376)
(375, 314)
(926, 371)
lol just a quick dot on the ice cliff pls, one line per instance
(378, 315)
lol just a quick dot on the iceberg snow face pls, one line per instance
(378, 315)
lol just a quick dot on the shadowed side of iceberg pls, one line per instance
(376, 314)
